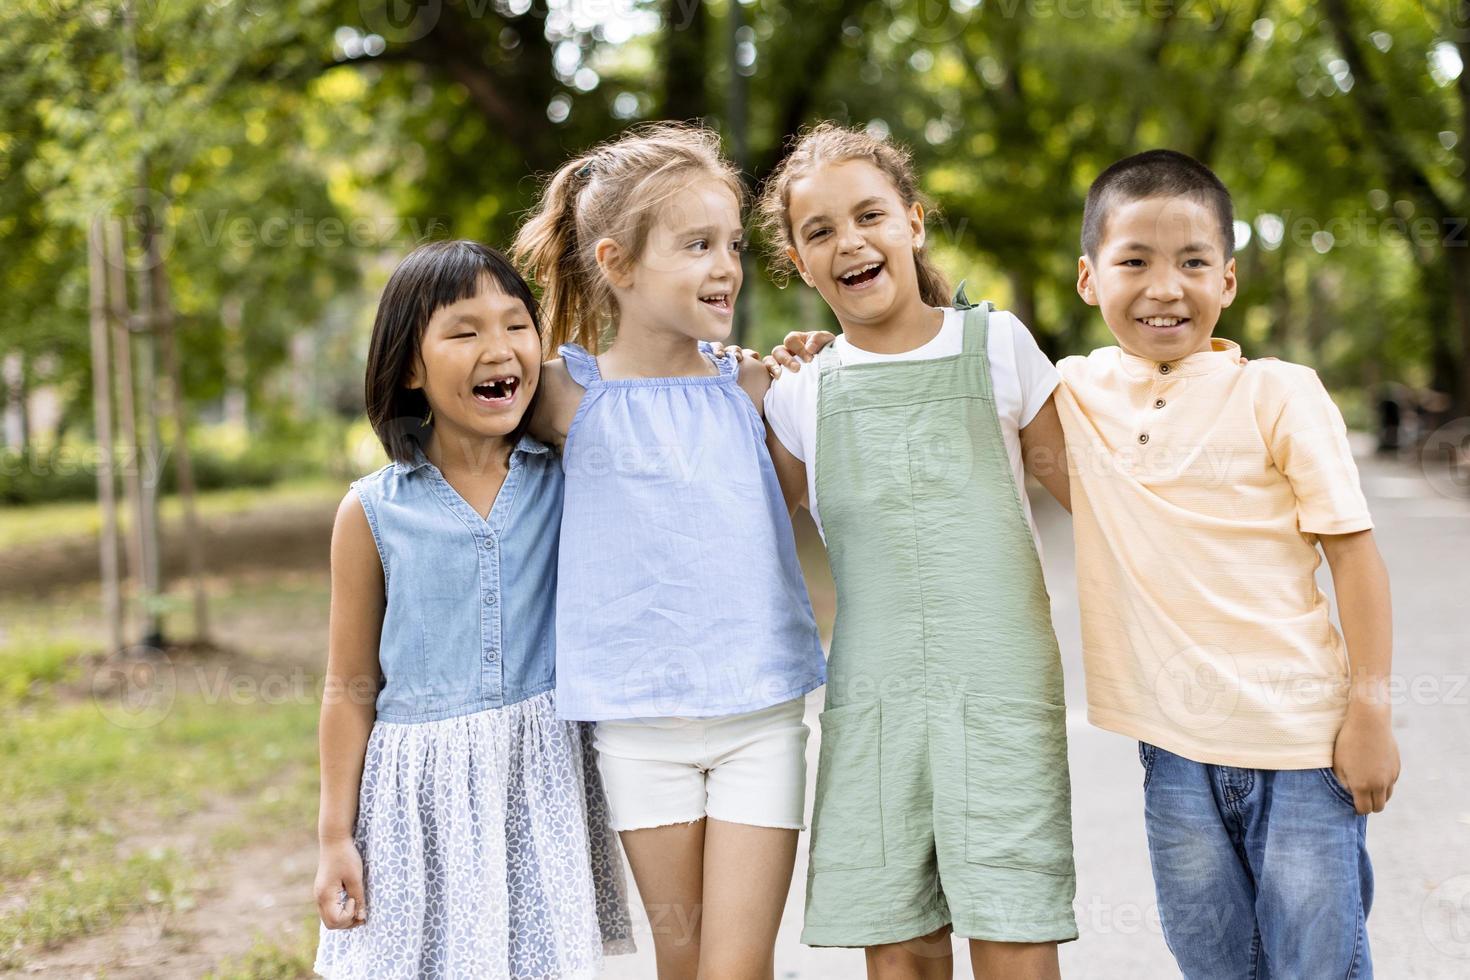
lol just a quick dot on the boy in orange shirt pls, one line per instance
(1201, 490)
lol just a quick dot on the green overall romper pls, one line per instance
(942, 790)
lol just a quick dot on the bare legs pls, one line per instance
(932, 958)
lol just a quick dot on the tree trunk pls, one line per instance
(183, 462)
(122, 347)
(147, 224)
(17, 418)
(686, 30)
(102, 414)
(1457, 259)
(1023, 292)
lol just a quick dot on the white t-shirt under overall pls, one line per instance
(1020, 376)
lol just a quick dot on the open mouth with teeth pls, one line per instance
(717, 301)
(1163, 322)
(497, 391)
(862, 275)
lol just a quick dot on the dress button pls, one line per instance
(1143, 439)
(1159, 403)
(489, 542)
(1164, 369)
(489, 598)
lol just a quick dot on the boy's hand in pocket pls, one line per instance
(1366, 757)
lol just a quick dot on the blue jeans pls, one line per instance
(1261, 874)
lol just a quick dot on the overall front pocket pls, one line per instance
(847, 822)
(1018, 800)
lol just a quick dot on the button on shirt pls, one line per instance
(442, 652)
(1198, 488)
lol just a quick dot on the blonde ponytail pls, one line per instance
(546, 249)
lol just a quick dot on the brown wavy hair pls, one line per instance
(828, 143)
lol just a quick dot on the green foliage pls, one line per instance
(294, 155)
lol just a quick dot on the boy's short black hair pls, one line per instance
(433, 276)
(1155, 173)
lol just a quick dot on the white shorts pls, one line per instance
(748, 768)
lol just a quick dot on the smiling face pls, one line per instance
(687, 278)
(854, 239)
(479, 363)
(1160, 276)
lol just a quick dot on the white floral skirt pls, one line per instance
(487, 853)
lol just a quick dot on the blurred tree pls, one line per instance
(298, 151)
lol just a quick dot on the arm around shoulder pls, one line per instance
(1044, 450)
(556, 404)
(790, 472)
(755, 380)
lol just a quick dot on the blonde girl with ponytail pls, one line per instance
(683, 626)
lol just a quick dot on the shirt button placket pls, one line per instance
(490, 612)
(1158, 403)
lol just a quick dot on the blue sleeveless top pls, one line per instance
(470, 602)
(679, 593)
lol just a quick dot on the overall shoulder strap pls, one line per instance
(581, 365)
(827, 359)
(977, 327)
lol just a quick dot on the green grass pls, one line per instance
(77, 899)
(82, 518)
(76, 784)
(29, 664)
(268, 960)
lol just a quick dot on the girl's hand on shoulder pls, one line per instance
(340, 899)
(796, 348)
(719, 350)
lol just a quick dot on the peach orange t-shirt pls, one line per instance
(1198, 489)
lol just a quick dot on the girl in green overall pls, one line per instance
(942, 800)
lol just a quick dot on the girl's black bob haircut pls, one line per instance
(431, 277)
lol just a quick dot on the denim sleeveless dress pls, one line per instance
(679, 592)
(478, 810)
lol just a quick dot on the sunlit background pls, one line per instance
(200, 201)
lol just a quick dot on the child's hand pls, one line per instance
(797, 347)
(340, 900)
(719, 350)
(1366, 757)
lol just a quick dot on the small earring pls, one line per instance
(427, 419)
